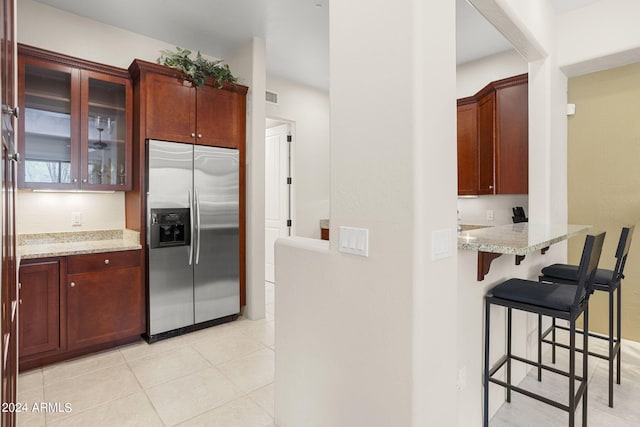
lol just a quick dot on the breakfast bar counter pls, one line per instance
(516, 239)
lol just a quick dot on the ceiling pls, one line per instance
(296, 32)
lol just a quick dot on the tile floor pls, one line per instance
(217, 377)
(223, 377)
(526, 412)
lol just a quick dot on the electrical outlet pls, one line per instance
(76, 218)
(490, 215)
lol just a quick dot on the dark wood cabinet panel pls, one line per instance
(9, 306)
(39, 307)
(170, 109)
(467, 149)
(102, 261)
(502, 145)
(512, 141)
(220, 117)
(103, 306)
(486, 136)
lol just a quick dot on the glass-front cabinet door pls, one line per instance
(49, 98)
(105, 127)
(77, 126)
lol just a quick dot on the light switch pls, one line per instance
(441, 244)
(354, 241)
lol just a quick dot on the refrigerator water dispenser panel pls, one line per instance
(170, 227)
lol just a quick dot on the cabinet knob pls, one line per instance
(75, 180)
(84, 180)
(193, 134)
(199, 135)
(72, 284)
(491, 187)
(19, 285)
(106, 261)
(20, 300)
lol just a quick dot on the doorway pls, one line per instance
(278, 192)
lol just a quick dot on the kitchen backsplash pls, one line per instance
(473, 210)
(50, 212)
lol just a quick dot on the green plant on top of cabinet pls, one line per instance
(76, 132)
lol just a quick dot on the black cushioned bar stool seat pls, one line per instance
(563, 301)
(606, 281)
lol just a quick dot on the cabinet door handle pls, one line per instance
(14, 156)
(199, 135)
(106, 261)
(20, 300)
(72, 284)
(193, 134)
(491, 187)
(75, 180)
(84, 180)
(15, 112)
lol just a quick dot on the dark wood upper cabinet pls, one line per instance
(502, 139)
(76, 132)
(176, 110)
(467, 147)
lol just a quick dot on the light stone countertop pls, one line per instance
(517, 239)
(44, 245)
(324, 223)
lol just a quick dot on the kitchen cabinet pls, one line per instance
(79, 304)
(501, 143)
(104, 298)
(467, 147)
(170, 108)
(40, 307)
(205, 115)
(76, 132)
(9, 285)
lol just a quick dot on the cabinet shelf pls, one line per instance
(47, 95)
(106, 106)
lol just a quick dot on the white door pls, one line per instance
(276, 203)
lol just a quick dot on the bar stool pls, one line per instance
(607, 281)
(556, 300)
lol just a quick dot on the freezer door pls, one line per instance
(217, 253)
(170, 185)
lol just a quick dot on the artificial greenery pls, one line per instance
(197, 69)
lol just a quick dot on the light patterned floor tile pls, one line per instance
(143, 349)
(181, 399)
(252, 371)
(166, 366)
(129, 411)
(242, 412)
(263, 332)
(31, 379)
(91, 389)
(82, 365)
(265, 397)
(220, 349)
(29, 398)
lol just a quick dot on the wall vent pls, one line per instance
(272, 97)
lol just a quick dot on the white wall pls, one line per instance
(249, 62)
(308, 109)
(356, 337)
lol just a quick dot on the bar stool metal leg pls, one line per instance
(619, 321)
(485, 421)
(572, 372)
(585, 365)
(509, 315)
(611, 348)
(539, 347)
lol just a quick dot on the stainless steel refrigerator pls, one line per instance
(192, 237)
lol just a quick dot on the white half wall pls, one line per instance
(307, 109)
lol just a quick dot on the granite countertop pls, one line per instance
(324, 223)
(518, 239)
(44, 245)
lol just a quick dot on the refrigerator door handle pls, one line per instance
(191, 226)
(197, 200)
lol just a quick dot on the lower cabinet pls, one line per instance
(104, 298)
(78, 304)
(39, 321)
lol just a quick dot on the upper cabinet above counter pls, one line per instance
(493, 139)
(76, 127)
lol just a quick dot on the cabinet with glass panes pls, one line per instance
(76, 131)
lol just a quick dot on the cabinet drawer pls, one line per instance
(103, 261)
